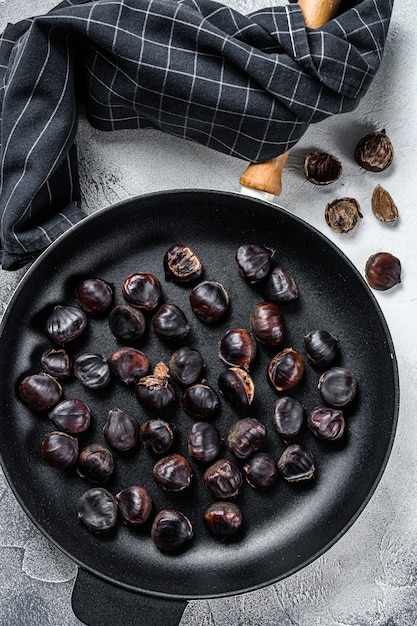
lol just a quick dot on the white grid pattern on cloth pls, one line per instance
(247, 86)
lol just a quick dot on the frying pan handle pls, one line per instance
(98, 603)
(266, 176)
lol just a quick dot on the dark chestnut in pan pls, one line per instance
(245, 437)
(186, 365)
(170, 322)
(94, 295)
(173, 473)
(181, 264)
(337, 386)
(96, 463)
(223, 519)
(60, 450)
(288, 416)
(134, 504)
(204, 442)
(279, 287)
(237, 387)
(142, 290)
(321, 347)
(129, 364)
(57, 363)
(326, 423)
(201, 401)
(267, 323)
(65, 323)
(40, 392)
(157, 435)
(92, 370)
(254, 261)
(237, 347)
(261, 470)
(209, 301)
(296, 463)
(97, 510)
(285, 369)
(171, 530)
(121, 430)
(72, 416)
(155, 392)
(223, 479)
(127, 323)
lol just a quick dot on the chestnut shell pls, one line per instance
(181, 264)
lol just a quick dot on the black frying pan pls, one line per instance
(123, 578)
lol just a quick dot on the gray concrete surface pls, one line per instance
(369, 577)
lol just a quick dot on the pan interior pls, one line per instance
(285, 527)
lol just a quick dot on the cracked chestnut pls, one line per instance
(157, 435)
(72, 416)
(322, 168)
(60, 450)
(181, 264)
(126, 322)
(261, 471)
(142, 290)
(223, 479)
(285, 369)
(134, 504)
(97, 510)
(337, 386)
(204, 442)
(94, 295)
(254, 261)
(170, 322)
(209, 301)
(237, 347)
(326, 423)
(154, 391)
(121, 430)
(173, 473)
(201, 401)
(40, 392)
(129, 364)
(296, 463)
(92, 370)
(237, 387)
(95, 463)
(65, 323)
(186, 365)
(267, 323)
(223, 519)
(245, 437)
(171, 530)
(57, 363)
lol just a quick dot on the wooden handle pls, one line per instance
(267, 176)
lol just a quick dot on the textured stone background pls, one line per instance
(369, 578)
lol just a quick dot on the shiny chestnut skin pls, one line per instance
(127, 323)
(155, 392)
(60, 450)
(186, 365)
(321, 348)
(326, 423)
(94, 295)
(267, 323)
(285, 369)
(173, 473)
(204, 442)
(296, 463)
(287, 417)
(129, 364)
(170, 322)
(92, 370)
(171, 530)
(254, 261)
(209, 301)
(157, 435)
(57, 363)
(40, 392)
(97, 510)
(237, 388)
(201, 401)
(223, 479)
(71, 416)
(337, 386)
(95, 463)
(279, 287)
(245, 437)
(134, 504)
(223, 519)
(261, 470)
(181, 264)
(121, 430)
(237, 347)
(142, 290)
(65, 323)
(383, 271)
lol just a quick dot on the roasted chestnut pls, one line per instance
(171, 530)
(267, 323)
(154, 392)
(237, 347)
(285, 369)
(287, 416)
(40, 391)
(279, 287)
(204, 442)
(186, 365)
(261, 471)
(181, 264)
(296, 463)
(201, 401)
(57, 363)
(170, 322)
(237, 387)
(92, 370)
(322, 168)
(321, 348)
(121, 430)
(72, 416)
(245, 437)
(60, 450)
(65, 323)
(223, 519)
(94, 295)
(374, 152)
(126, 322)
(142, 290)
(173, 473)
(157, 435)
(135, 505)
(209, 301)
(223, 479)
(97, 510)
(337, 386)
(129, 364)
(326, 423)
(254, 261)
(383, 271)
(96, 463)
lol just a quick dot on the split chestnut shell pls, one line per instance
(57, 363)
(181, 264)
(237, 387)
(154, 391)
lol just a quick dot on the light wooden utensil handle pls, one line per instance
(267, 176)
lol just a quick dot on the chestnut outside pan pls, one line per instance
(122, 577)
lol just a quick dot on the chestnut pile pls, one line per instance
(223, 461)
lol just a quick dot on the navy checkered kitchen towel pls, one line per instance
(247, 86)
